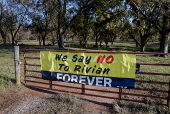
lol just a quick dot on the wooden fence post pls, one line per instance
(168, 99)
(51, 84)
(17, 65)
(83, 89)
(120, 93)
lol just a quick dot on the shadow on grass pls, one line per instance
(116, 48)
(54, 93)
(97, 102)
(149, 48)
(41, 90)
(6, 81)
(23, 46)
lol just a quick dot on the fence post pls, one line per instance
(120, 93)
(17, 65)
(83, 89)
(50, 82)
(168, 99)
(24, 67)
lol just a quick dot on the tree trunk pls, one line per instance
(165, 37)
(60, 41)
(85, 41)
(96, 43)
(12, 37)
(136, 44)
(142, 48)
(60, 38)
(39, 39)
(43, 41)
(100, 43)
(3, 36)
(165, 33)
(80, 42)
(13, 40)
(106, 44)
(96, 40)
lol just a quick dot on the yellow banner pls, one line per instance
(92, 64)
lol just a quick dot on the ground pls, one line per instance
(31, 101)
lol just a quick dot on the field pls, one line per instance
(7, 78)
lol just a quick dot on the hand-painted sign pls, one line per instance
(102, 69)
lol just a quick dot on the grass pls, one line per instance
(7, 74)
(6, 68)
(65, 103)
(7, 79)
(124, 107)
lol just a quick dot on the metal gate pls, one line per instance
(152, 87)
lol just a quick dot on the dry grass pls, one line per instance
(64, 104)
(125, 107)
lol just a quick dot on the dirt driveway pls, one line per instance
(35, 101)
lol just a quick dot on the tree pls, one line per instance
(55, 13)
(3, 22)
(95, 15)
(82, 23)
(139, 29)
(40, 26)
(13, 27)
(159, 17)
(63, 15)
(11, 19)
(16, 18)
(165, 32)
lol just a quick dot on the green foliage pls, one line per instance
(102, 20)
(148, 11)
